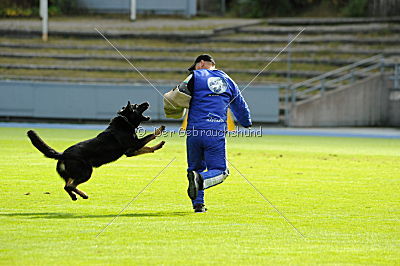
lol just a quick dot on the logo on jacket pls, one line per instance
(217, 85)
(214, 118)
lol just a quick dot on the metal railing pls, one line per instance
(330, 80)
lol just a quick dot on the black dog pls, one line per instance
(75, 164)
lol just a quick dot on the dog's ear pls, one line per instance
(124, 109)
(129, 107)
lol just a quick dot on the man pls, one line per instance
(213, 92)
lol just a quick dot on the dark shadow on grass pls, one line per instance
(58, 215)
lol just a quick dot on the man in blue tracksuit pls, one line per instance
(213, 92)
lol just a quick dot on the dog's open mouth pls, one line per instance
(143, 107)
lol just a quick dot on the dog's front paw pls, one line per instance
(159, 130)
(159, 145)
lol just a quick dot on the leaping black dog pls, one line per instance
(75, 164)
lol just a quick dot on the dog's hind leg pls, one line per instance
(69, 189)
(81, 193)
(74, 172)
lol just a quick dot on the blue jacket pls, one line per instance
(213, 93)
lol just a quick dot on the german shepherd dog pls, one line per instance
(75, 164)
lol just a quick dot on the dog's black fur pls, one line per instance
(75, 164)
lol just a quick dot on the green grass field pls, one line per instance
(341, 193)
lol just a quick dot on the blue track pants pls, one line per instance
(207, 156)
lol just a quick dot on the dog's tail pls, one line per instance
(42, 146)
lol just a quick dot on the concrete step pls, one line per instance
(391, 40)
(303, 60)
(86, 79)
(331, 21)
(341, 29)
(178, 35)
(343, 49)
(283, 73)
(103, 80)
